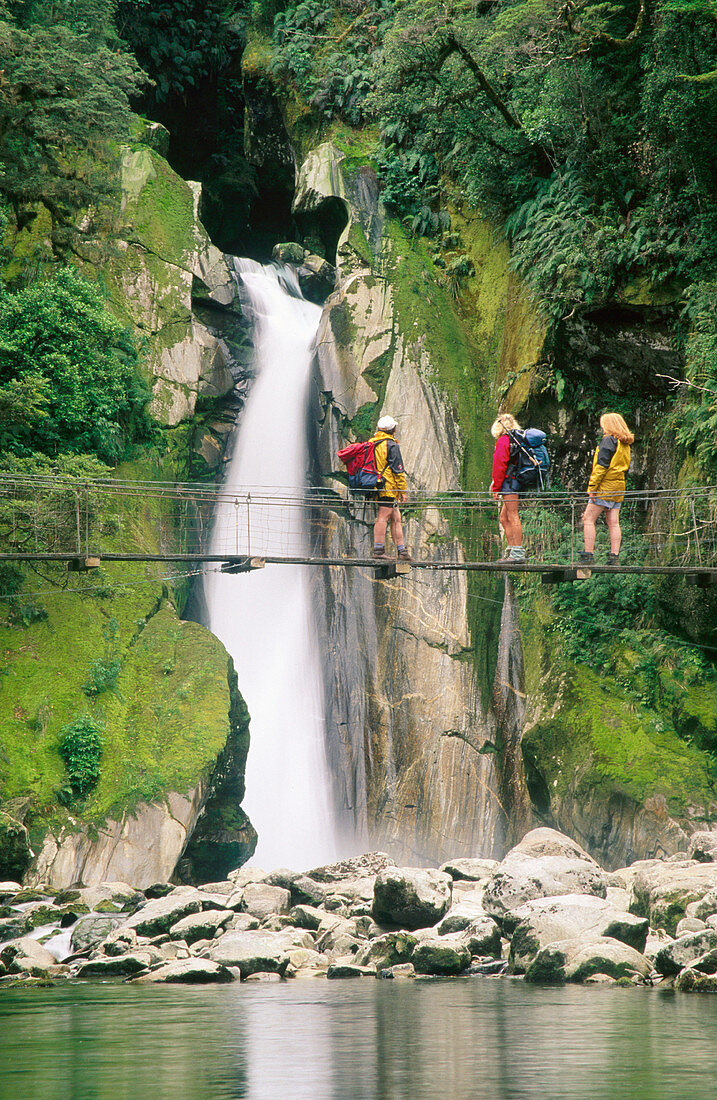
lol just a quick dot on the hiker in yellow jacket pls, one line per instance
(389, 466)
(606, 489)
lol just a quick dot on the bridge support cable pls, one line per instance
(87, 522)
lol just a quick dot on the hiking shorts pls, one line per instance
(387, 502)
(606, 503)
(511, 485)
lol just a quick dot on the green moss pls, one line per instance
(363, 425)
(462, 364)
(357, 241)
(159, 206)
(597, 739)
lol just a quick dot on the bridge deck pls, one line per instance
(369, 563)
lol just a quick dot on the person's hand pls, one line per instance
(402, 498)
(494, 493)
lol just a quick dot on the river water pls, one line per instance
(356, 1040)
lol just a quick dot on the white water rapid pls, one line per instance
(264, 617)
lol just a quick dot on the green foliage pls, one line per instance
(579, 126)
(180, 43)
(105, 670)
(695, 417)
(330, 58)
(81, 750)
(65, 99)
(76, 367)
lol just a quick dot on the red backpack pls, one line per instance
(360, 462)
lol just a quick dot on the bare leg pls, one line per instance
(510, 520)
(385, 513)
(590, 517)
(396, 527)
(612, 519)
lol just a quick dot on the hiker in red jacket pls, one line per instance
(506, 487)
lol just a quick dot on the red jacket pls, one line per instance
(501, 458)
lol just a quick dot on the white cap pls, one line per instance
(386, 424)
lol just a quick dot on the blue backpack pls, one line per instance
(529, 459)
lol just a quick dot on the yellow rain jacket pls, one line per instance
(610, 464)
(389, 465)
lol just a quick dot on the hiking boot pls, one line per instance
(403, 555)
(612, 559)
(381, 555)
(585, 557)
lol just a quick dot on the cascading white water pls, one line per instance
(264, 617)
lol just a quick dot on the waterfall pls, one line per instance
(265, 617)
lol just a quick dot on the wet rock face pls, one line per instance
(623, 350)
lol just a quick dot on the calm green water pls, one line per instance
(475, 1037)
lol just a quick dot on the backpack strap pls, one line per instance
(531, 458)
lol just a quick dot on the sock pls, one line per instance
(379, 546)
(401, 548)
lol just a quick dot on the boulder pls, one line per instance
(317, 279)
(705, 908)
(8, 890)
(341, 968)
(337, 942)
(401, 970)
(199, 926)
(703, 847)
(119, 942)
(461, 916)
(289, 252)
(678, 954)
(159, 915)
(190, 972)
(251, 952)
(306, 916)
(544, 864)
(92, 929)
(119, 893)
(578, 960)
(571, 917)
(482, 938)
(693, 981)
(662, 891)
(122, 966)
(357, 867)
(472, 870)
(12, 928)
(388, 950)
(303, 958)
(441, 955)
(687, 925)
(411, 897)
(306, 891)
(26, 956)
(261, 900)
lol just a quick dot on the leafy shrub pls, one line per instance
(66, 91)
(81, 750)
(695, 416)
(105, 670)
(76, 365)
(103, 676)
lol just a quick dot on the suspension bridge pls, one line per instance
(84, 523)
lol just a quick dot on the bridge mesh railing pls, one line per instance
(65, 516)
